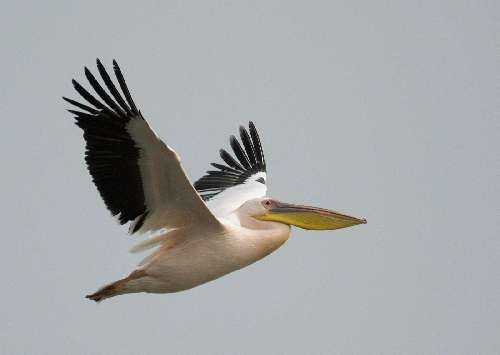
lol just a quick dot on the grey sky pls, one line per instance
(386, 110)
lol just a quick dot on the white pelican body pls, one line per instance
(218, 225)
(193, 257)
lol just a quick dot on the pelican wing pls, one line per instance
(138, 176)
(241, 178)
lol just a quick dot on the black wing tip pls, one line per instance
(124, 87)
(78, 87)
(247, 129)
(74, 112)
(116, 67)
(247, 161)
(106, 137)
(90, 76)
(109, 101)
(259, 152)
(99, 64)
(259, 164)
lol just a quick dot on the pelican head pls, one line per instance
(306, 217)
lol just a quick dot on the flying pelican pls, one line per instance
(200, 232)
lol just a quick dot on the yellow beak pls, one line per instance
(307, 217)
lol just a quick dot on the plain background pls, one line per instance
(386, 110)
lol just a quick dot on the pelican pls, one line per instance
(197, 232)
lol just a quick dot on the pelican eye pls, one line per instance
(267, 203)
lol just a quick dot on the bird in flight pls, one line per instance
(198, 232)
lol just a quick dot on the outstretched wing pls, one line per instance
(138, 176)
(240, 180)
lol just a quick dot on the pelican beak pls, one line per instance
(307, 217)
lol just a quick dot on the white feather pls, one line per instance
(232, 198)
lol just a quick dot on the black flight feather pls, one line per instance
(102, 94)
(245, 138)
(111, 154)
(111, 86)
(239, 152)
(81, 106)
(248, 161)
(230, 160)
(123, 85)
